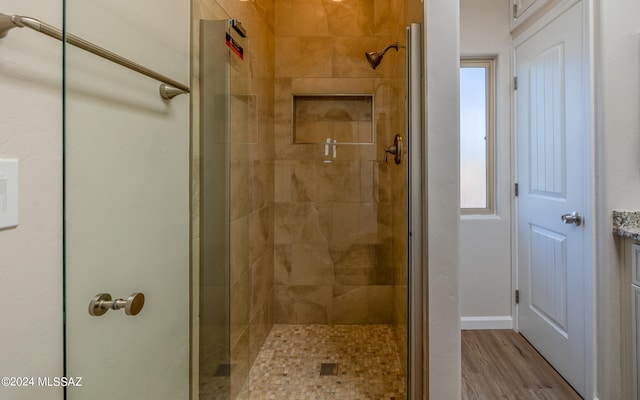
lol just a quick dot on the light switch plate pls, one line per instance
(8, 193)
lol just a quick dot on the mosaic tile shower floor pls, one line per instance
(368, 364)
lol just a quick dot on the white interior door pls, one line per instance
(127, 202)
(551, 154)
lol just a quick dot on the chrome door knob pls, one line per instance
(573, 218)
(102, 303)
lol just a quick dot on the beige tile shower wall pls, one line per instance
(251, 178)
(334, 231)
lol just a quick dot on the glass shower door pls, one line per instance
(127, 203)
(227, 126)
(214, 307)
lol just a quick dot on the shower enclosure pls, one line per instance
(208, 236)
(227, 122)
(306, 234)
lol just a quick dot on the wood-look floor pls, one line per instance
(501, 364)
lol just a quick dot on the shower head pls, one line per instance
(375, 57)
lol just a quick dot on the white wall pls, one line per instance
(618, 153)
(442, 51)
(485, 241)
(31, 254)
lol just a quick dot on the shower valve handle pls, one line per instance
(389, 150)
(397, 149)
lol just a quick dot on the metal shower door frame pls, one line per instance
(416, 276)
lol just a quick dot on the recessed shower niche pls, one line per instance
(344, 118)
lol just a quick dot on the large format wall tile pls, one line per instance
(301, 18)
(239, 188)
(261, 283)
(239, 363)
(303, 304)
(340, 304)
(282, 264)
(258, 233)
(302, 223)
(260, 326)
(303, 56)
(239, 248)
(350, 18)
(311, 264)
(239, 307)
(325, 182)
(361, 304)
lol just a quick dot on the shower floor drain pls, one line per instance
(328, 369)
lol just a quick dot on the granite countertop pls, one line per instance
(627, 224)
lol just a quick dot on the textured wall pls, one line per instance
(618, 154)
(31, 254)
(485, 261)
(443, 59)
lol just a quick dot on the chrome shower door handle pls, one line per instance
(573, 218)
(102, 303)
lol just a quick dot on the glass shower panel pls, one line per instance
(215, 363)
(127, 202)
(228, 124)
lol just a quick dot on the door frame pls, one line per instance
(590, 199)
(416, 279)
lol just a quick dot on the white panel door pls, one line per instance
(551, 137)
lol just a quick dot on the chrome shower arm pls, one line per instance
(391, 46)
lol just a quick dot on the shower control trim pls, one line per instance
(102, 303)
(397, 149)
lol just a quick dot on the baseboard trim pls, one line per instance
(476, 323)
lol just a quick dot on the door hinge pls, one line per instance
(516, 189)
(515, 83)
(515, 11)
(517, 297)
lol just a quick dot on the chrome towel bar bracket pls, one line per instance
(168, 89)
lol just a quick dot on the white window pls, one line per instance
(477, 93)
